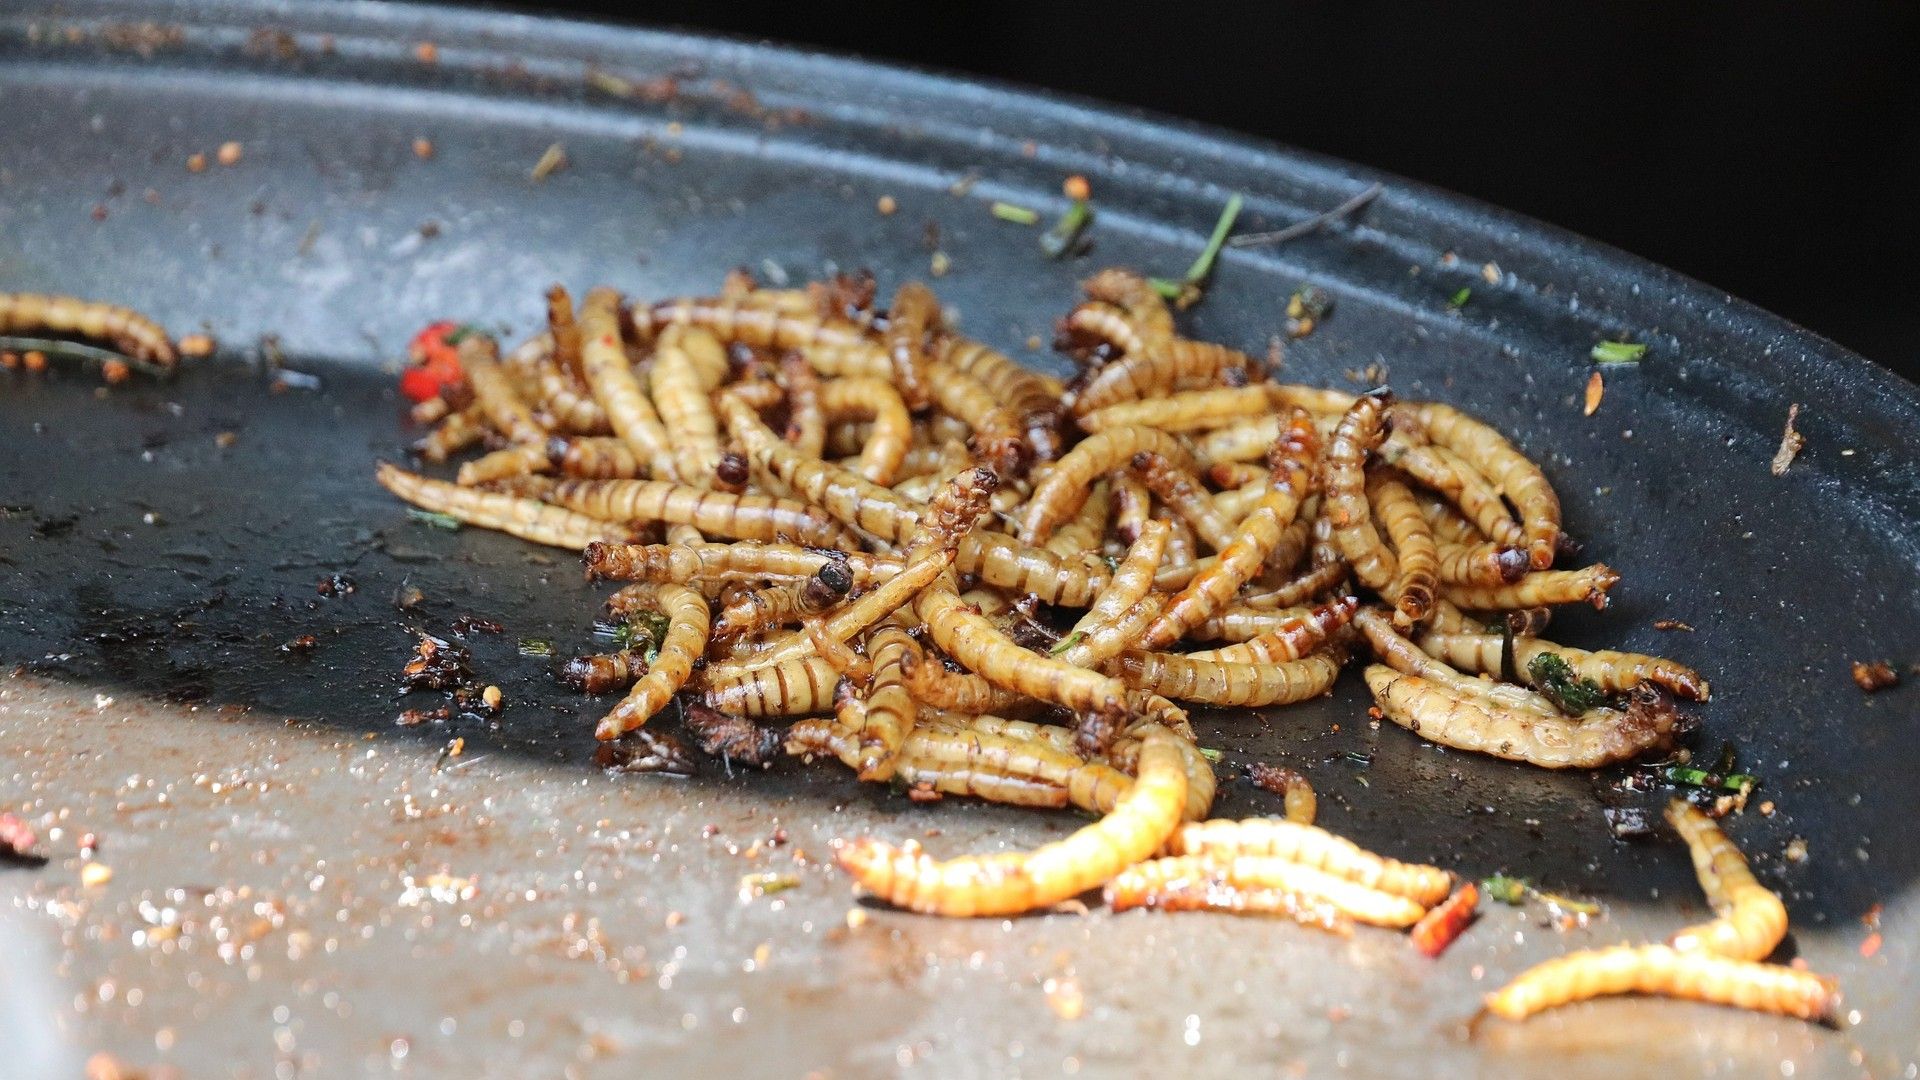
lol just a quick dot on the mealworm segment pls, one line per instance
(969, 580)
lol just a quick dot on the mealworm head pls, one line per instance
(1513, 564)
(835, 576)
(731, 470)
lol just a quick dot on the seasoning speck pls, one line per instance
(552, 161)
(196, 163)
(196, 346)
(1790, 443)
(886, 206)
(423, 149)
(1596, 389)
(940, 264)
(229, 154)
(1872, 675)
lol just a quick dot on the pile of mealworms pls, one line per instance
(962, 577)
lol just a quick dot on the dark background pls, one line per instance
(1772, 150)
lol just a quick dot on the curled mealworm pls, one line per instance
(687, 366)
(132, 333)
(999, 436)
(1515, 475)
(1085, 531)
(603, 360)
(1138, 885)
(1751, 920)
(686, 639)
(1033, 398)
(977, 643)
(890, 433)
(1182, 493)
(1009, 884)
(1104, 321)
(1313, 847)
(1613, 672)
(890, 711)
(1538, 589)
(779, 605)
(1345, 498)
(1058, 497)
(1442, 715)
(458, 431)
(1416, 557)
(1454, 477)
(528, 519)
(845, 495)
(1485, 563)
(1666, 972)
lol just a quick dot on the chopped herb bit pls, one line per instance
(767, 884)
(437, 520)
(1553, 677)
(551, 161)
(1064, 238)
(534, 646)
(1067, 642)
(1507, 890)
(1618, 352)
(1459, 300)
(1187, 291)
(1688, 776)
(1209, 753)
(1357, 757)
(1565, 903)
(1019, 215)
(1311, 302)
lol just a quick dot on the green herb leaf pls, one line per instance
(1688, 776)
(1067, 642)
(1459, 300)
(1507, 890)
(1553, 677)
(1203, 265)
(1618, 352)
(1209, 753)
(767, 884)
(534, 646)
(428, 517)
(1019, 215)
(1060, 240)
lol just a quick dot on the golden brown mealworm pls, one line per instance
(684, 564)
(834, 346)
(1344, 499)
(685, 641)
(520, 459)
(1208, 894)
(495, 394)
(132, 333)
(890, 712)
(1087, 528)
(603, 359)
(528, 519)
(1010, 884)
(1117, 616)
(1456, 478)
(1487, 562)
(1158, 370)
(913, 315)
(1538, 589)
(593, 457)
(1181, 492)
(931, 683)
(1751, 920)
(458, 431)
(1401, 654)
(1033, 398)
(1138, 885)
(1312, 847)
(1146, 311)
(806, 421)
(602, 673)
(740, 517)
(999, 436)
(1191, 410)
(564, 334)
(1225, 683)
(1301, 631)
(681, 385)
(884, 446)
(845, 495)
(1416, 557)
(789, 688)
(1613, 672)
(1443, 715)
(1661, 971)
(1058, 497)
(1511, 471)
(778, 605)
(977, 643)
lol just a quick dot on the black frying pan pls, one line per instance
(331, 242)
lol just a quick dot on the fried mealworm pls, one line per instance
(1665, 972)
(1312, 847)
(1162, 717)
(1033, 398)
(1058, 497)
(1538, 589)
(890, 712)
(1613, 672)
(565, 333)
(1443, 715)
(1146, 311)
(977, 643)
(1009, 884)
(834, 346)
(1132, 506)
(999, 436)
(520, 459)
(603, 359)
(885, 445)
(602, 673)
(913, 315)
(588, 457)
(687, 366)
(1115, 619)
(806, 421)
(788, 688)
(1416, 557)
(1290, 462)
(1300, 631)
(1085, 531)
(458, 431)
(1138, 885)
(1456, 478)
(1751, 920)
(130, 332)
(930, 682)
(1486, 563)
(1207, 893)
(1225, 683)
(1512, 472)
(685, 641)
(1191, 410)
(1181, 492)
(779, 605)
(741, 517)
(684, 564)
(1344, 499)
(845, 495)
(1105, 321)
(528, 519)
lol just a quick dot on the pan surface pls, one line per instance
(302, 888)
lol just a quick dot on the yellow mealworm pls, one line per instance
(1345, 498)
(1105, 321)
(1033, 398)
(684, 564)
(1158, 370)
(1014, 883)
(1192, 410)
(564, 333)
(1751, 920)
(806, 422)
(685, 641)
(1136, 886)
(845, 495)
(589, 457)
(741, 517)
(1487, 562)
(680, 386)
(1416, 557)
(1665, 972)
(602, 673)
(977, 643)
(1301, 804)
(457, 432)
(1300, 631)
(1291, 462)
(890, 710)
(1225, 683)
(1088, 527)
(788, 688)
(528, 519)
(1130, 586)
(834, 346)
(1538, 589)
(1058, 497)
(1146, 311)
(1401, 654)
(1613, 672)
(1453, 476)
(913, 315)
(779, 605)
(1443, 715)
(1313, 847)
(494, 393)
(1511, 471)
(1206, 893)
(1182, 493)
(1159, 716)
(999, 437)
(929, 681)
(520, 459)
(884, 446)
(132, 333)
(603, 359)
